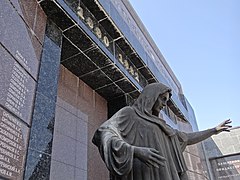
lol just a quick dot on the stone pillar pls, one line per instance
(41, 135)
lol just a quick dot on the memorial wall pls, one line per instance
(21, 38)
(223, 157)
(227, 167)
(63, 73)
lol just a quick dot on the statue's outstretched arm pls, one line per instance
(196, 137)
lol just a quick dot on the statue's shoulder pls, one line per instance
(127, 110)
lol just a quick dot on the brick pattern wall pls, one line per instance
(79, 112)
(194, 157)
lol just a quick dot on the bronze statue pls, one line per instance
(136, 144)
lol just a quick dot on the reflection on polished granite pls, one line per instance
(41, 135)
(15, 33)
(11, 86)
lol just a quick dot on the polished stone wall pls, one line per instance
(41, 134)
(194, 156)
(223, 155)
(21, 37)
(79, 112)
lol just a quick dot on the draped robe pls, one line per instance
(135, 126)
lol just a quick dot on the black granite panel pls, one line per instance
(146, 73)
(80, 39)
(110, 91)
(13, 138)
(79, 65)
(116, 104)
(111, 42)
(124, 46)
(136, 60)
(125, 85)
(68, 49)
(113, 72)
(43, 121)
(73, 4)
(53, 33)
(96, 79)
(48, 74)
(15, 37)
(94, 9)
(130, 100)
(151, 81)
(17, 87)
(142, 80)
(38, 166)
(56, 14)
(41, 135)
(119, 54)
(111, 30)
(97, 57)
(134, 94)
(50, 50)
(43, 116)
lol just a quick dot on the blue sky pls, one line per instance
(200, 40)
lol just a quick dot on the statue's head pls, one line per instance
(153, 98)
(160, 103)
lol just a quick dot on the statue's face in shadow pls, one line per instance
(160, 103)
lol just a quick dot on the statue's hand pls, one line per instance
(224, 126)
(149, 156)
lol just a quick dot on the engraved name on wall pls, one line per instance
(226, 168)
(17, 87)
(16, 38)
(12, 148)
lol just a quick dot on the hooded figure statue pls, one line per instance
(136, 144)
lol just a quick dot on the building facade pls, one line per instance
(66, 67)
